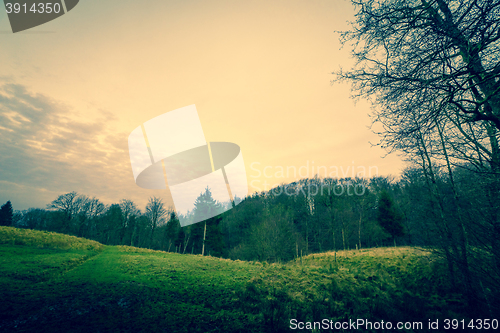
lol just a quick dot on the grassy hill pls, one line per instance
(57, 283)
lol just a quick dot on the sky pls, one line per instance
(259, 73)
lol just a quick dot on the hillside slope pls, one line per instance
(56, 283)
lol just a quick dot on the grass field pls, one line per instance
(56, 283)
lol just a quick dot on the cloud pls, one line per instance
(47, 148)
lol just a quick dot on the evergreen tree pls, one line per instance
(206, 236)
(388, 217)
(6, 214)
(172, 229)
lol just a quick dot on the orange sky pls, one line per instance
(259, 73)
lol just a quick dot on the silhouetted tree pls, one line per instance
(6, 214)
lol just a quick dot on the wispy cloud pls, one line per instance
(45, 147)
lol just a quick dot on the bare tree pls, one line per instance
(155, 212)
(68, 204)
(433, 69)
(427, 60)
(129, 211)
(95, 208)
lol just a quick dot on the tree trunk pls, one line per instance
(307, 238)
(186, 244)
(444, 234)
(343, 236)
(464, 266)
(359, 229)
(204, 235)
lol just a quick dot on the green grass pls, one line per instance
(57, 283)
(44, 239)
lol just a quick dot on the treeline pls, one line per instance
(311, 215)
(123, 223)
(308, 216)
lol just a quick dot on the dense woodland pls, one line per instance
(432, 70)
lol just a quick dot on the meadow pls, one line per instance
(52, 282)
